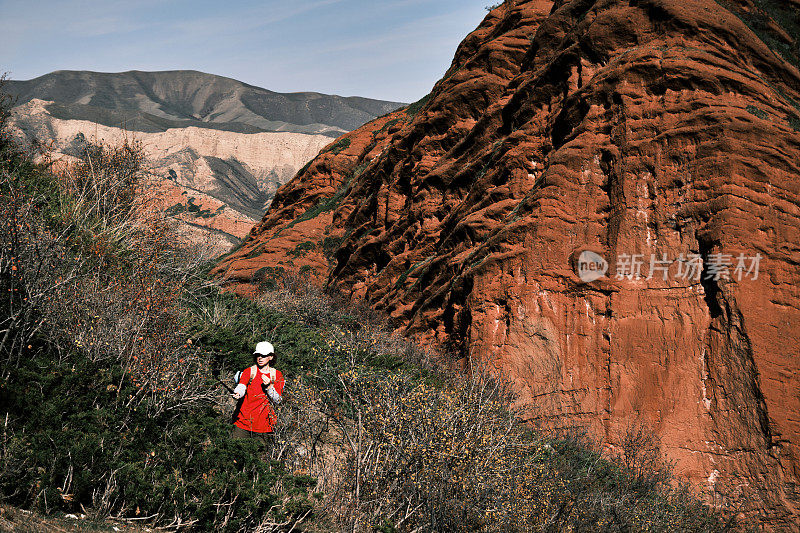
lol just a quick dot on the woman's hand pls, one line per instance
(239, 391)
(266, 380)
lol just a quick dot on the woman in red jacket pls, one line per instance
(258, 385)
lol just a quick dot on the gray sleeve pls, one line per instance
(273, 394)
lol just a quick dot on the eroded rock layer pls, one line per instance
(648, 132)
(215, 184)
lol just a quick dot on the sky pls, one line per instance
(383, 49)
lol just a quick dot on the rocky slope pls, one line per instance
(215, 183)
(157, 101)
(662, 136)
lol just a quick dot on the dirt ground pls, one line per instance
(21, 521)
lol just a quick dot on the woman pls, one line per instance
(258, 385)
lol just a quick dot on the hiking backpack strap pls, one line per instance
(240, 401)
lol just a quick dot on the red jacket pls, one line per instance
(256, 413)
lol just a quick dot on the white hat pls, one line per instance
(264, 348)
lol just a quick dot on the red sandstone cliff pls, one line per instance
(652, 127)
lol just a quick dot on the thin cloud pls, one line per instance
(105, 26)
(244, 21)
(407, 33)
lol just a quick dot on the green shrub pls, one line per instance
(753, 110)
(389, 124)
(191, 208)
(760, 19)
(302, 249)
(449, 455)
(413, 109)
(420, 449)
(76, 443)
(107, 403)
(323, 205)
(329, 247)
(339, 145)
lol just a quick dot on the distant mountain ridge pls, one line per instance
(153, 102)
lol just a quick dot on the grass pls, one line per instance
(414, 109)
(758, 20)
(191, 208)
(388, 125)
(329, 247)
(255, 252)
(330, 203)
(404, 276)
(753, 110)
(302, 249)
(322, 206)
(339, 146)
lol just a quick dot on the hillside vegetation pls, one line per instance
(110, 341)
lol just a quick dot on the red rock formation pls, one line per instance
(297, 235)
(652, 127)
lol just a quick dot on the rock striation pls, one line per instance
(661, 136)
